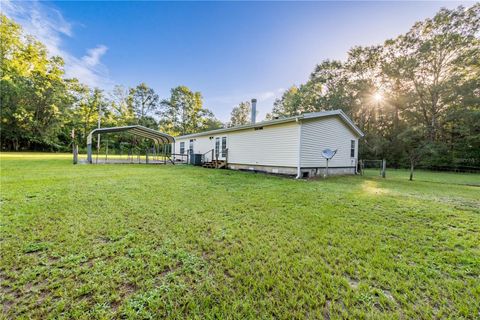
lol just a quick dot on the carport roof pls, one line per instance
(138, 130)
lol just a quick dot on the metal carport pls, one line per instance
(158, 137)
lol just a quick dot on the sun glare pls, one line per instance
(377, 97)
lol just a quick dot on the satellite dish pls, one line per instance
(328, 153)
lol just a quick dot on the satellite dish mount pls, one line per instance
(328, 154)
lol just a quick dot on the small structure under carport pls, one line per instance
(158, 137)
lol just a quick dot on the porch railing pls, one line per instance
(211, 156)
(205, 158)
(179, 158)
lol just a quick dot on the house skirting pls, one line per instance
(332, 171)
(292, 171)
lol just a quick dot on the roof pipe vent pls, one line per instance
(254, 110)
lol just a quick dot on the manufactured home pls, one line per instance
(290, 146)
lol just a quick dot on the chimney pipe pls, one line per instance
(254, 110)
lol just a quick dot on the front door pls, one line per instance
(220, 148)
(190, 152)
(190, 146)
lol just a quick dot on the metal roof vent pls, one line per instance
(254, 110)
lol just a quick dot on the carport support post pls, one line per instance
(164, 152)
(89, 153)
(89, 148)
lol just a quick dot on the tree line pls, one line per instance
(40, 107)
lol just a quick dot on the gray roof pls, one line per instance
(138, 130)
(304, 116)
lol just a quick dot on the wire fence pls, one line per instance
(373, 167)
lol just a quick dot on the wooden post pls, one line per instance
(98, 148)
(384, 167)
(75, 153)
(226, 159)
(74, 148)
(411, 170)
(106, 152)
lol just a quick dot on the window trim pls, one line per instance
(182, 147)
(352, 148)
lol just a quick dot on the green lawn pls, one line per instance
(145, 241)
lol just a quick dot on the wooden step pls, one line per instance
(215, 164)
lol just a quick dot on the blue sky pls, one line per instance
(230, 51)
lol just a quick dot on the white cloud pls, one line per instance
(48, 25)
(93, 55)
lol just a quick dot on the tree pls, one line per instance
(122, 107)
(287, 105)
(86, 110)
(183, 112)
(144, 102)
(416, 147)
(209, 122)
(427, 78)
(432, 59)
(34, 96)
(240, 114)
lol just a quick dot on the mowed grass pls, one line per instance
(146, 241)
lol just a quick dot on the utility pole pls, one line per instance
(99, 122)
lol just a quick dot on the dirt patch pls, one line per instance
(228, 274)
(6, 306)
(165, 271)
(353, 282)
(326, 310)
(115, 305)
(127, 289)
(389, 295)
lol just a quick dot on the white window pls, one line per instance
(224, 146)
(182, 147)
(217, 146)
(352, 148)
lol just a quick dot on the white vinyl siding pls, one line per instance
(323, 133)
(274, 145)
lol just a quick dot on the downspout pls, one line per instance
(299, 149)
